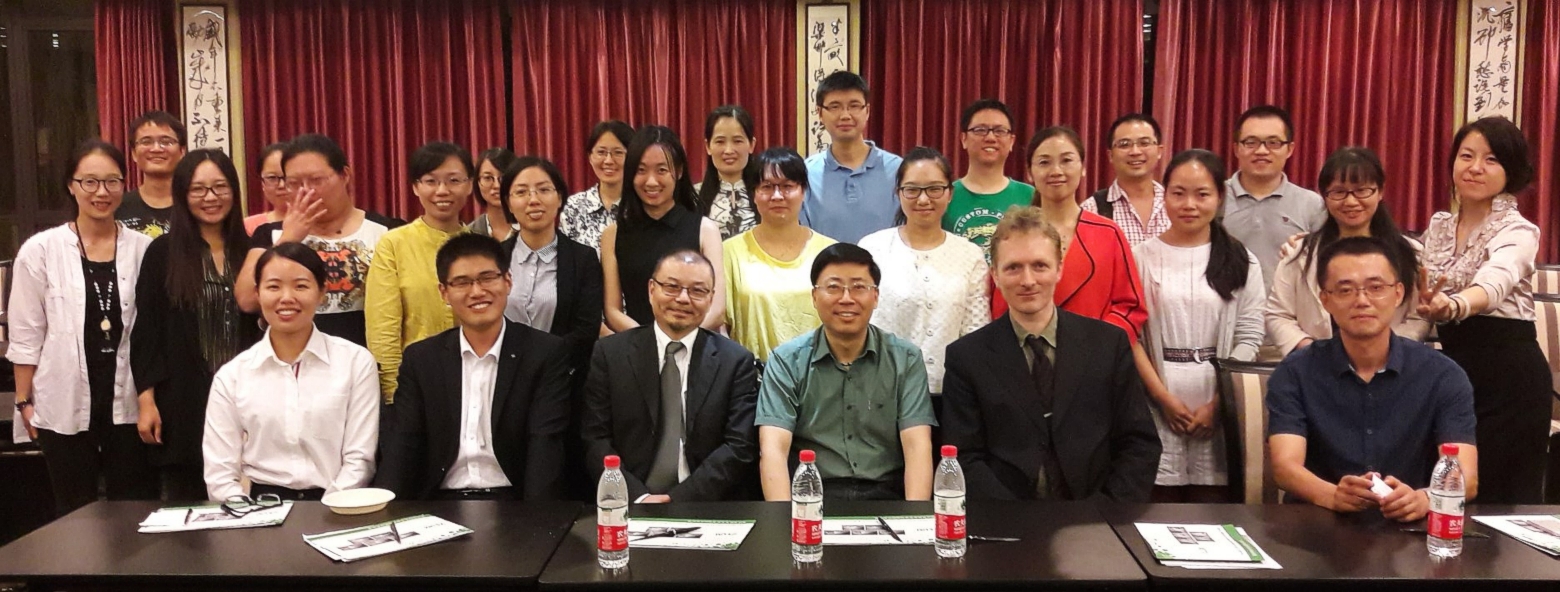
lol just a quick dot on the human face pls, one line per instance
(672, 301)
(211, 195)
(778, 199)
(534, 200)
(844, 115)
(1026, 270)
(848, 314)
(156, 150)
(1192, 198)
(488, 178)
(312, 170)
(992, 147)
(922, 178)
(656, 180)
(1476, 173)
(1134, 151)
(100, 204)
(606, 159)
(444, 191)
(1361, 315)
(288, 295)
(1350, 207)
(273, 183)
(729, 147)
(1259, 160)
(476, 291)
(1056, 169)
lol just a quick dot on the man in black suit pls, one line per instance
(1043, 403)
(674, 401)
(480, 410)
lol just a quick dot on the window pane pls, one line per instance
(64, 101)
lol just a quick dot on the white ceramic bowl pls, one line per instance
(365, 500)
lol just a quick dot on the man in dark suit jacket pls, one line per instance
(1076, 427)
(480, 410)
(710, 388)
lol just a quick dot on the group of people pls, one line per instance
(857, 303)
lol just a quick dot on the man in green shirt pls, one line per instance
(985, 193)
(854, 394)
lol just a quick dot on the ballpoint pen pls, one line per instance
(890, 530)
(1466, 533)
(395, 532)
(992, 539)
(188, 514)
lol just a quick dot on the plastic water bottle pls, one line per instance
(612, 516)
(1445, 523)
(948, 503)
(807, 511)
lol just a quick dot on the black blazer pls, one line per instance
(1101, 429)
(165, 355)
(530, 415)
(623, 407)
(577, 318)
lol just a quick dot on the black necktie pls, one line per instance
(663, 471)
(1040, 372)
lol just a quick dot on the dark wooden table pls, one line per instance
(1324, 551)
(98, 547)
(1064, 546)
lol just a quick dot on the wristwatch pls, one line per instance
(23, 404)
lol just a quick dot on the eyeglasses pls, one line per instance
(856, 290)
(487, 180)
(998, 132)
(604, 154)
(220, 190)
(273, 181)
(432, 184)
(163, 142)
(1271, 143)
(525, 192)
(90, 185)
(1141, 143)
(305, 182)
(836, 108)
(487, 279)
(673, 290)
(931, 191)
(239, 506)
(1362, 193)
(786, 188)
(1373, 291)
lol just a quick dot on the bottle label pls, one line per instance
(950, 516)
(806, 532)
(1446, 516)
(611, 538)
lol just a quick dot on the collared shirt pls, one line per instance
(1125, 216)
(402, 304)
(847, 204)
(681, 359)
(850, 415)
(1393, 425)
(534, 297)
(1498, 256)
(476, 466)
(309, 424)
(932, 297)
(584, 217)
(1264, 225)
(1047, 335)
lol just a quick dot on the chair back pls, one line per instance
(1243, 409)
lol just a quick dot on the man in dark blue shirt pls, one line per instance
(1367, 403)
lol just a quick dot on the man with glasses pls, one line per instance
(673, 400)
(156, 145)
(854, 394)
(850, 186)
(481, 410)
(1366, 405)
(985, 192)
(1262, 208)
(1134, 201)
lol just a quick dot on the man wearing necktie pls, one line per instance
(675, 401)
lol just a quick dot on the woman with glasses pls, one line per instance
(1351, 180)
(587, 214)
(273, 185)
(297, 414)
(403, 305)
(71, 312)
(494, 220)
(189, 325)
(768, 291)
(725, 195)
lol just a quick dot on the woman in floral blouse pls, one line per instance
(730, 174)
(587, 213)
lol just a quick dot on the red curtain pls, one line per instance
(381, 77)
(1073, 62)
(1541, 121)
(135, 61)
(1350, 73)
(577, 62)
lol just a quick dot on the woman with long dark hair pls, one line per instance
(494, 219)
(730, 173)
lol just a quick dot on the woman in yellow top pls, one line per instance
(769, 293)
(402, 303)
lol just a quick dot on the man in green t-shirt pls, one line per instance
(985, 193)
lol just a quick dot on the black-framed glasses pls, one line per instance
(488, 280)
(1361, 193)
(1373, 291)
(1271, 143)
(1128, 143)
(983, 131)
(239, 506)
(219, 189)
(273, 181)
(837, 108)
(932, 191)
(91, 185)
(674, 289)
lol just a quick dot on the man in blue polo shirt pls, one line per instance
(1367, 403)
(850, 186)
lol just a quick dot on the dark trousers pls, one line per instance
(113, 453)
(298, 495)
(184, 483)
(1511, 399)
(496, 494)
(848, 490)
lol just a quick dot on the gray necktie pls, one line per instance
(663, 473)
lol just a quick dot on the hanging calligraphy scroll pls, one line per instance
(204, 61)
(1494, 59)
(827, 43)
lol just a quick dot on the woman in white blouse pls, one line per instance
(1478, 260)
(71, 313)
(298, 413)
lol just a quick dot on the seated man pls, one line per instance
(674, 401)
(1367, 402)
(853, 393)
(1043, 403)
(480, 410)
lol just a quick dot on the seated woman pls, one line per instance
(297, 414)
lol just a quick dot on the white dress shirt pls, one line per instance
(681, 359)
(47, 315)
(930, 298)
(476, 467)
(311, 424)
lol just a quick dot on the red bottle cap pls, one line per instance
(807, 456)
(1448, 449)
(950, 451)
(612, 461)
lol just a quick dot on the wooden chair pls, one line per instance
(1243, 407)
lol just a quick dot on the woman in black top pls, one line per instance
(659, 215)
(190, 322)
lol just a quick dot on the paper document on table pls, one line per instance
(1539, 531)
(384, 538)
(187, 518)
(677, 533)
(1204, 546)
(879, 530)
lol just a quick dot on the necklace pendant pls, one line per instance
(105, 326)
